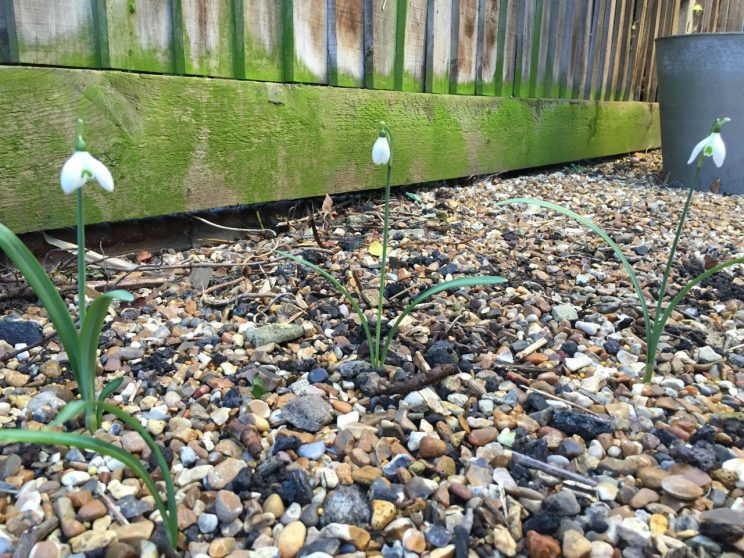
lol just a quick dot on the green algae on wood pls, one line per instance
(179, 144)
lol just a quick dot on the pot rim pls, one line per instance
(688, 35)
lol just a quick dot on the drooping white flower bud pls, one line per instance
(381, 151)
(79, 168)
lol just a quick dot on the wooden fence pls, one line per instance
(515, 84)
(570, 49)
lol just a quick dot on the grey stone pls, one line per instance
(722, 523)
(563, 503)
(308, 412)
(348, 505)
(564, 312)
(274, 333)
(20, 331)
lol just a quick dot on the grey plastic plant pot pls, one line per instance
(701, 78)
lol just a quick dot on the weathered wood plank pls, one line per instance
(622, 26)
(414, 55)
(467, 44)
(384, 21)
(536, 39)
(208, 37)
(184, 143)
(583, 35)
(310, 25)
(508, 58)
(142, 33)
(263, 45)
(565, 67)
(350, 43)
(593, 56)
(60, 33)
(438, 45)
(550, 48)
(489, 60)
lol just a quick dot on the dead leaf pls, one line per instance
(715, 186)
(327, 206)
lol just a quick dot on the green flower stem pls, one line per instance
(81, 255)
(659, 320)
(377, 358)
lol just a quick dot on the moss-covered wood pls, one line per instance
(184, 143)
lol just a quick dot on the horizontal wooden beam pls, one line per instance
(177, 144)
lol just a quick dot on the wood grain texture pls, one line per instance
(178, 144)
(467, 46)
(349, 43)
(263, 46)
(59, 33)
(489, 59)
(384, 20)
(208, 37)
(438, 43)
(414, 48)
(142, 35)
(310, 41)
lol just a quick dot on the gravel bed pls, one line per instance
(537, 438)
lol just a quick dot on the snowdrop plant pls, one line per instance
(712, 146)
(382, 155)
(81, 345)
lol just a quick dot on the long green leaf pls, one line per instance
(39, 281)
(107, 390)
(601, 232)
(90, 333)
(69, 412)
(170, 518)
(50, 438)
(454, 284)
(340, 288)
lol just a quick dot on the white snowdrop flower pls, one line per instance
(712, 146)
(79, 168)
(381, 151)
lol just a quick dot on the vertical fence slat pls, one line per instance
(100, 26)
(505, 39)
(331, 44)
(143, 35)
(480, 45)
(592, 56)
(491, 25)
(523, 11)
(400, 42)
(605, 46)
(580, 52)
(535, 66)
(621, 45)
(467, 45)
(414, 46)
(349, 43)
(614, 44)
(438, 45)
(208, 37)
(550, 49)
(263, 52)
(60, 33)
(649, 73)
(310, 25)
(368, 43)
(384, 21)
(565, 69)
(454, 33)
